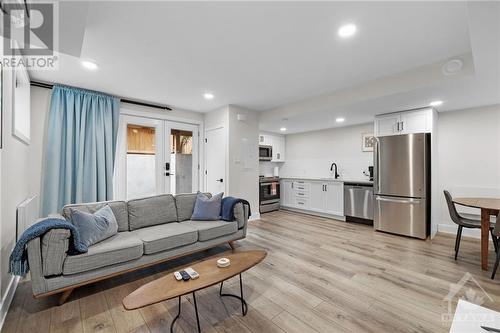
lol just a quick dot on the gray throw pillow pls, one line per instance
(96, 227)
(207, 209)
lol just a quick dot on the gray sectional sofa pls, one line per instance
(150, 230)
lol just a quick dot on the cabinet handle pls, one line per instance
(300, 203)
(397, 127)
(300, 188)
(402, 126)
(300, 193)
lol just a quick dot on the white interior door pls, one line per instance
(215, 161)
(154, 157)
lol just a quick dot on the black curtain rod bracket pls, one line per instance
(122, 99)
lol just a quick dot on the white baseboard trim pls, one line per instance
(255, 216)
(7, 299)
(452, 229)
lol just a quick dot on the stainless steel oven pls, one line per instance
(265, 153)
(269, 194)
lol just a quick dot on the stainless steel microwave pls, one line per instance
(265, 153)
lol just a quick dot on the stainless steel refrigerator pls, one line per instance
(402, 184)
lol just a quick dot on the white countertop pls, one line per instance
(343, 180)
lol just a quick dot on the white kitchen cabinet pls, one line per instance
(316, 198)
(264, 140)
(287, 193)
(417, 121)
(334, 198)
(278, 144)
(387, 124)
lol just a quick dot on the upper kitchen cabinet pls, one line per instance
(277, 142)
(417, 121)
(264, 140)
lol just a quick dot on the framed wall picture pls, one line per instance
(368, 142)
(21, 127)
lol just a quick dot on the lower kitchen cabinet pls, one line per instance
(315, 196)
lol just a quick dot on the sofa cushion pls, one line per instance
(119, 209)
(150, 211)
(212, 229)
(166, 236)
(94, 228)
(185, 205)
(124, 246)
(207, 208)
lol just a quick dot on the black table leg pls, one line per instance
(244, 306)
(179, 313)
(196, 310)
(176, 317)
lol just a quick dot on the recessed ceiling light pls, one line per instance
(347, 30)
(208, 95)
(340, 120)
(283, 129)
(436, 103)
(90, 65)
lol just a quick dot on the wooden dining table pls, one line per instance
(489, 207)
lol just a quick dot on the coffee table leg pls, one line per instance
(196, 310)
(176, 317)
(244, 306)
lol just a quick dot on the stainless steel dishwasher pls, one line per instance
(358, 202)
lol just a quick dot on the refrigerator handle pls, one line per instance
(376, 158)
(406, 201)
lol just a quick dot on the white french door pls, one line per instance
(154, 157)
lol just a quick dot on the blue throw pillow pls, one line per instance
(207, 209)
(96, 227)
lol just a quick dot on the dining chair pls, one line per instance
(496, 240)
(464, 222)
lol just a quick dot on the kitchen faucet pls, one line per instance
(331, 169)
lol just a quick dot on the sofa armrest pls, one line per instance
(38, 283)
(54, 248)
(241, 215)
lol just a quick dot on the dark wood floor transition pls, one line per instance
(320, 275)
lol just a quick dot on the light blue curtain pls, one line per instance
(81, 145)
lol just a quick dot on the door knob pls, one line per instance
(220, 180)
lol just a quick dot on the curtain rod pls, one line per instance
(122, 99)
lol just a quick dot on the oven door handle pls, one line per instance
(265, 184)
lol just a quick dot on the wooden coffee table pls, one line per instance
(168, 287)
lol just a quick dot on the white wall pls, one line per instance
(242, 178)
(244, 169)
(15, 179)
(469, 157)
(310, 154)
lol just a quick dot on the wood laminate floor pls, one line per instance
(320, 275)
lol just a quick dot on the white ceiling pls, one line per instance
(285, 57)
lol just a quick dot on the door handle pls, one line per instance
(220, 180)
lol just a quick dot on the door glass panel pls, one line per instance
(181, 161)
(141, 161)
